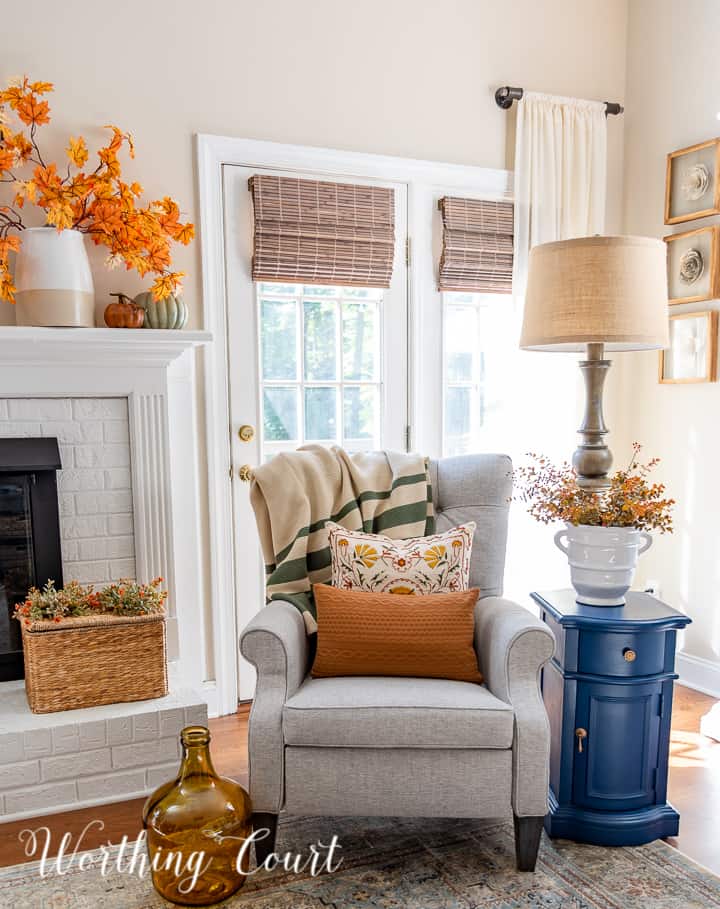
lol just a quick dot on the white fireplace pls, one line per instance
(122, 404)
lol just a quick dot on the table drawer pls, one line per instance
(624, 654)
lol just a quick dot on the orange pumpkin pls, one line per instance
(124, 314)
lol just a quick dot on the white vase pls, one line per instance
(602, 561)
(53, 279)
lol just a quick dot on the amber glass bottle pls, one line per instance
(200, 820)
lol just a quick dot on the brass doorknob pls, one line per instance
(629, 655)
(246, 432)
(245, 473)
(581, 734)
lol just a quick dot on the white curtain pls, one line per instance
(560, 174)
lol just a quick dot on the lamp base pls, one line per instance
(592, 458)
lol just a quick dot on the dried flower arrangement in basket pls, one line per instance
(84, 647)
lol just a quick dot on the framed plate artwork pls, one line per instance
(693, 262)
(692, 355)
(692, 187)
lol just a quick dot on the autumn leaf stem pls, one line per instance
(12, 222)
(33, 130)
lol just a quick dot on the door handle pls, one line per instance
(581, 734)
(245, 473)
(246, 432)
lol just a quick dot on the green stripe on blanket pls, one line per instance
(296, 493)
(351, 506)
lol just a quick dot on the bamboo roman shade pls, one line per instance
(477, 249)
(319, 232)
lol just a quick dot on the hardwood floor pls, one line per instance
(694, 779)
(694, 788)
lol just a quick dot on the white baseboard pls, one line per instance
(698, 673)
(207, 690)
(209, 694)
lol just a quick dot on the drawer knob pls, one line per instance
(629, 655)
(581, 735)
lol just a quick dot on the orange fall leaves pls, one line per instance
(95, 202)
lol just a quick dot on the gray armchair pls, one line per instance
(417, 747)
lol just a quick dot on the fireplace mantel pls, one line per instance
(155, 371)
(97, 346)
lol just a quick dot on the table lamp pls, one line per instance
(592, 294)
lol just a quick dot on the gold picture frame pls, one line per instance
(692, 355)
(693, 263)
(692, 182)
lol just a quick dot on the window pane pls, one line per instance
(360, 341)
(480, 344)
(320, 350)
(363, 293)
(360, 412)
(321, 414)
(279, 339)
(461, 334)
(267, 287)
(457, 411)
(319, 290)
(280, 420)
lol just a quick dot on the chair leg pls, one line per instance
(527, 841)
(264, 847)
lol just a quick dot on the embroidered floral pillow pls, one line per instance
(434, 564)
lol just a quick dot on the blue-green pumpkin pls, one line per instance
(172, 312)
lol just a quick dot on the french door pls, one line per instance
(307, 363)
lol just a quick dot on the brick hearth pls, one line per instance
(59, 761)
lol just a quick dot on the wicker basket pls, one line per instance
(85, 661)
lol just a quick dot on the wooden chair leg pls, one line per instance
(262, 820)
(527, 841)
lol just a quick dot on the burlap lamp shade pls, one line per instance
(611, 290)
(592, 294)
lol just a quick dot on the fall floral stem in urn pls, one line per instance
(605, 529)
(80, 197)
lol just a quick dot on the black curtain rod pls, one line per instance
(505, 96)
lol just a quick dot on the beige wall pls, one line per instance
(412, 78)
(672, 101)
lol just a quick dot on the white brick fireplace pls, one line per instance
(121, 404)
(95, 484)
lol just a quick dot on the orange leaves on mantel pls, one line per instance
(95, 201)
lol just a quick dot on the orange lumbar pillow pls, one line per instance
(361, 633)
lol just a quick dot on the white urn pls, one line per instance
(53, 279)
(602, 560)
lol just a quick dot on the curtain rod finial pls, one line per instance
(505, 96)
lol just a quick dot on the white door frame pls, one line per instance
(426, 181)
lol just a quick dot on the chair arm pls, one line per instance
(512, 647)
(275, 642)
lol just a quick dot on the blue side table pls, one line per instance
(608, 693)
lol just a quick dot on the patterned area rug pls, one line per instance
(413, 864)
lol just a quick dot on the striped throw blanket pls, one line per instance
(297, 492)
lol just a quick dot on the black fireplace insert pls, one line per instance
(29, 535)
